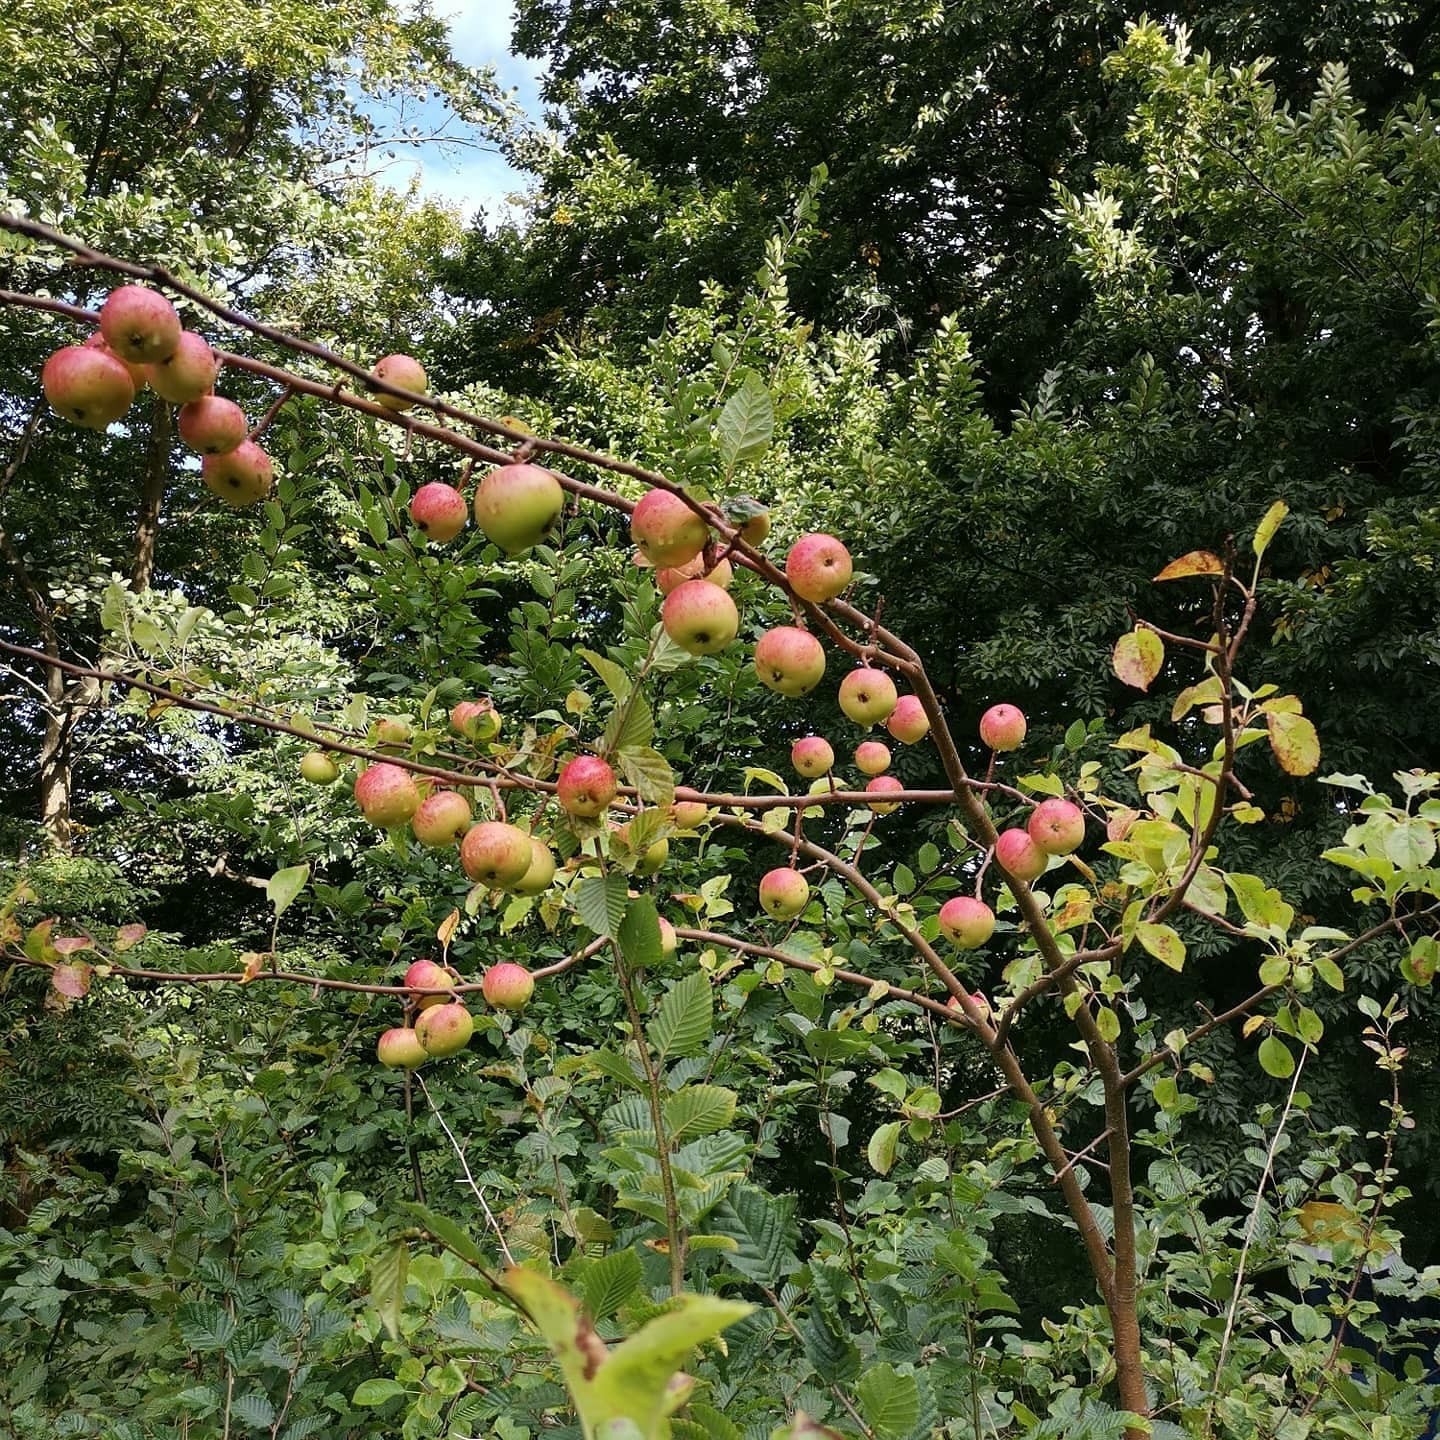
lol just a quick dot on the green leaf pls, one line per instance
(1138, 657)
(284, 885)
(446, 1231)
(639, 934)
(698, 1110)
(387, 1286)
(1107, 1022)
(1294, 741)
(880, 1152)
(609, 1283)
(601, 902)
(205, 1326)
(376, 1392)
(1260, 904)
(1265, 530)
(616, 677)
(686, 1015)
(631, 726)
(746, 423)
(1275, 1058)
(1410, 844)
(762, 1225)
(254, 1409)
(1163, 943)
(650, 773)
(1329, 972)
(889, 1401)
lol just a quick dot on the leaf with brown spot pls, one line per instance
(1295, 743)
(1138, 657)
(1197, 562)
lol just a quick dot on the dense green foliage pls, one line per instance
(1061, 301)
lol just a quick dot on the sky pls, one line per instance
(470, 177)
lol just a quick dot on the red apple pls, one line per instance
(883, 785)
(139, 325)
(586, 787)
(241, 476)
(908, 722)
(1056, 826)
(667, 530)
(784, 893)
(789, 660)
(400, 1049)
(439, 512)
(1019, 855)
(700, 617)
(812, 756)
(403, 371)
(966, 922)
(872, 758)
(1002, 727)
(444, 1029)
(441, 819)
(818, 567)
(187, 373)
(427, 975)
(507, 986)
(668, 579)
(213, 425)
(138, 373)
(496, 854)
(688, 814)
(867, 695)
(386, 795)
(87, 386)
(669, 940)
(476, 719)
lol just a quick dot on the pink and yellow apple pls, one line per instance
(818, 567)
(966, 923)
(784, 893)
(586, 787)
(667, 530)
(517, 505)
(700, 617)
(439, 512)
(867, 695)
(789, 660)
(386, 795)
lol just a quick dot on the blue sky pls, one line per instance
(469, 177)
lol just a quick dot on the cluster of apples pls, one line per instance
(442, 1025)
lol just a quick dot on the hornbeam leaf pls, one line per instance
(746, 424)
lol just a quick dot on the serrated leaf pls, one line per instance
(1197, 562)
(205, 1326)
(445, 1230)
(746, 423)
(1275, 1058)
(631, 726)
(609, 1283)
(284, 885)
(698, 1110)
(762, 1225)
(601, 902)
(1163, 943)
(369, 1393)
(616, 677)
(387, 1286)
(1295, 743)
(1138, 657)
(880, 1152)
(1265, 530)
(254, 1410)
(650, 773)
(639, 934)
(683, 1022)
(889, 1401)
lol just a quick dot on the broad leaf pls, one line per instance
(639, 934)
(889, 1401)
(387, 1286)
(1295, 743)
(1163, 943)
(1197, 562)
(683, 1022)
(762, 1226)
(600, 901)
(1139, 654)
(1275, 1058)
(284, 885)
(650, 773)
(698, 1110)
(610, 1282)
(746, 423)
(880, 1152)
(1265, 530)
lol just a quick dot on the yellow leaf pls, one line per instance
(1197, 562)
(1295, 743)
(1138, 657)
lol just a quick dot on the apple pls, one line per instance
(516, 505)
(688, 814)
(789, 660)
(239, 477)
(476, 719)
(867, 695)
(1002, 727)
(400, 1049)
(700, 617)
(541, 872)
(872, 758)
(139, 325)
(507, 986)
(386, 795)
(427, 975)
(812, 756)
(977, 1000)
(586, 787)
(908, 722)
(655, 856)
(441, 819)
(439, 512)
(966, 922)
(1019, 855)
(783, 893)
(139, 374)
(1056, 826)
(883, 785)
(721, 574)
(213, 425)
(669, 940)
(87, 386)
(496, 854)
(444, 1029)
(393, 731)
(818, 567)
(318, 768)
(667, 530)
(187, 373)
(404, 372)
(754, 530)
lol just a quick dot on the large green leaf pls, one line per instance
(684, 1020)
(609, 1283)
(889, 1401)
(746, 423)
(762, 1226)
(600, 902)
(387, 1285)
(698, 1110)
(639, 934)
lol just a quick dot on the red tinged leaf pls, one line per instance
(1138, 657)
(127, 936)
(73, 944)
(72, 981)
(1197, 562)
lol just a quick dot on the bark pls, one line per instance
(152, 495)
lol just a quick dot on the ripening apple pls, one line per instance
(812, 755)
(883, 785)
(908, 722)
(688, 814)
(496, 854)
(187, 373)
(586, 787)
(1019, 855)
(318, 768)
(507, 986)
(213, 425)
(1002, 727)
(444, 1029)
(476, 720)
(87, 386)
(439, 512)
(400, 1049)
(139, 325)
(818, 567)
(966, 922)
(655, 856)
(784, 893)
(441, 819)
(393, 731)
(789, 660)
(867, 695)
(138, 373)
(403, 371)
(669, 940)
(241, 476)
(1056, 826)
(516, 505)
(386, 795)
(667, 530)
(754, 530)
(977, 999)
(700, 617)
(427, 975)
(721, 574)
(541, 872)
(872, 758)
